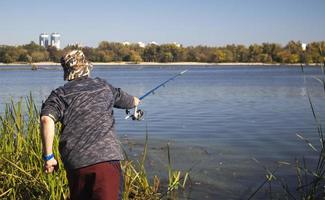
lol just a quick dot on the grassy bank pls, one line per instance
(22, 176)
(159, 64)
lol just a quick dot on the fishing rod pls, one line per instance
(138, 114)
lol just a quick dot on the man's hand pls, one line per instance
(136, 101)
(50, 165)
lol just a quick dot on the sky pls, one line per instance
(189, 22)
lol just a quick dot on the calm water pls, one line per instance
(216, 119)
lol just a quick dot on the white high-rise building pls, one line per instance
(55, 40)
(44, 40)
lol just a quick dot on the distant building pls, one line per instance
(126, 43)
(177, 44)
(44, 40)
(153, 42)
(141, 44)
(55, 40)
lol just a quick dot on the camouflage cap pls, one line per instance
(75, 65)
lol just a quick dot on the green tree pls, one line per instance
(9, 54)
(166, 57)
(272, 50)
(150, 53)
(265, 58)
(229, 55)
(217, 56)
(25, 58)
(135, 57)
(254, 52)
(294, 47)
(192, 55)
(54, 54)
(104, 45)
(284, 56)
(112, 51)
(314, 51)
(91, 54)
(295, 50)
(32, 46)
(242, 53)
(105, 56)
(39, 56)
(7, 58)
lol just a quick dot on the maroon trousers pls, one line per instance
(102, 181)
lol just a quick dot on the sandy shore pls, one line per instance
(156, 64)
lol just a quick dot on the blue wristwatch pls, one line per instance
(48, 157)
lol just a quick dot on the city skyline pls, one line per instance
(212, 23)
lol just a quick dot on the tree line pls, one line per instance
(292, 52)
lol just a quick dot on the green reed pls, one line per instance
(21, 164)
(310, 183)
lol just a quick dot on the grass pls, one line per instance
(22, 176)
(310, 178)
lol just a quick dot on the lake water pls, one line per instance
(216, 119)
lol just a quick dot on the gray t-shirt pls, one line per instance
(84, 106)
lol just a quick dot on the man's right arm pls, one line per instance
(47, 134)
(51, 112)
(124, 100)
(136, 101)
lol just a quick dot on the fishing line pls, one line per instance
(138, 113)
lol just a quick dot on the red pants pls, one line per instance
(102, 181)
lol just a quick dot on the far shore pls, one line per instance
(157, 64)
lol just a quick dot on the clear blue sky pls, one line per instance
(190, 22)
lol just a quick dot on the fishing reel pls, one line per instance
(137, 115)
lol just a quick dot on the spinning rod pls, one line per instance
(138, 114)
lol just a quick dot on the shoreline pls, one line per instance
(159, 64)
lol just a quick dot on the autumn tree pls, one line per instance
(115, 52)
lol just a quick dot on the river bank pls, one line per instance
(152, 64)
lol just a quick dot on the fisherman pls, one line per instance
(89, 147)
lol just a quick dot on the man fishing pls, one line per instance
(89, 147)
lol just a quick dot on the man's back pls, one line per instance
(88, 145)
(85, 108)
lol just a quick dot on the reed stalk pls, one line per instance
(21, 173)
(310, 183)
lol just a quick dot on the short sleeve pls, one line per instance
(53, 107)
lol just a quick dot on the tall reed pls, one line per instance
(22, 176)
(310, 183)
